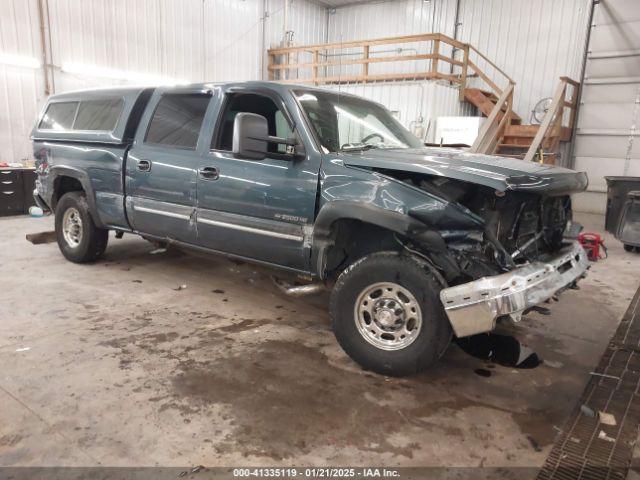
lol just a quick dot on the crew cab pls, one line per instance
(416, 244)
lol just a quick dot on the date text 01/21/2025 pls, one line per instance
(316, 472)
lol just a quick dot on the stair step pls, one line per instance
(521, 130)
(485, 102)
(513, 145)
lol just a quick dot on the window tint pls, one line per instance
(251, 103)
(59, 116)
(177, 120)
(98, 114)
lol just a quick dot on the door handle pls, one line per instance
(144, 165)
(209, 173)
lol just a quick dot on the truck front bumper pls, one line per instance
(474, 307)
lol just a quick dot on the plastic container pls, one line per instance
(629, 230)
(623, 209)
(35, 211)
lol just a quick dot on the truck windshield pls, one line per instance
(343, 123)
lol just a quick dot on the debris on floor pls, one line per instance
(587, 411)
(603, 436)
(505, 350)
(157, 250)
(607, 418)
(41, 237)
(180, 287)
(553, 363)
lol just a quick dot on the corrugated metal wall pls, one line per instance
(416, 104)
(218, 40)
(21, 88)
(534, 42)
(608, 138)
(94, 40)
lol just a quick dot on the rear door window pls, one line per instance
(59, 116)
(177, 120)
(99, 115)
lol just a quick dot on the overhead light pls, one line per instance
(19, 61)
(134, 77)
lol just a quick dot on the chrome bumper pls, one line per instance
(474, 307)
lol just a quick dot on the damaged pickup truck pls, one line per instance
(417, 245)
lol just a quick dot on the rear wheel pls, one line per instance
(79, 239)
(387, 315)
(631, 248)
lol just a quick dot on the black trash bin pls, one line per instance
(623, 210)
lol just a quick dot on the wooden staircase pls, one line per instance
(437, 57)
(508, 137)
(485, 101)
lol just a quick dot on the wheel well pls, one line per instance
(352, 239)
(62, 185)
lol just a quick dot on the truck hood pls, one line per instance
(499, 173)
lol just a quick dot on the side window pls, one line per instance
(250, 103)
(100, 115)
(59, 116)
(177, 120)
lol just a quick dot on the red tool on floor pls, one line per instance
(592, 243)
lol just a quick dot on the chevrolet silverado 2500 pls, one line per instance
(417, 245)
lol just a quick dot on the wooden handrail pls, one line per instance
(484, 57)
(282, 67)
(422, 37)
(494, 126)
(366, 60)
(553, 122)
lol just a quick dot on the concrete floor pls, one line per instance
(109, 364)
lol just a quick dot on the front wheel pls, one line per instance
(387, 314)
(79, 239)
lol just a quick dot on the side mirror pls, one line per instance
(250, 136)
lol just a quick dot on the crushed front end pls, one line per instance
(520, 259)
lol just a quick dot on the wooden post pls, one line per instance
(271, 63)
(556, 130)
(436, 53)
(574, 105)
(463, 78)
(546, 122)
(491, 129)
(365, 65)
(316, 56)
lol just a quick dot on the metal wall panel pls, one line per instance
(307, 20)
(389, 19)
(534, 42)
(416, 104)
(21, 88)
(190, 40)
(607, 140)
(219, 40)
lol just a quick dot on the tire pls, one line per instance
(83, 242)
(391, 282)
(631, 248)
